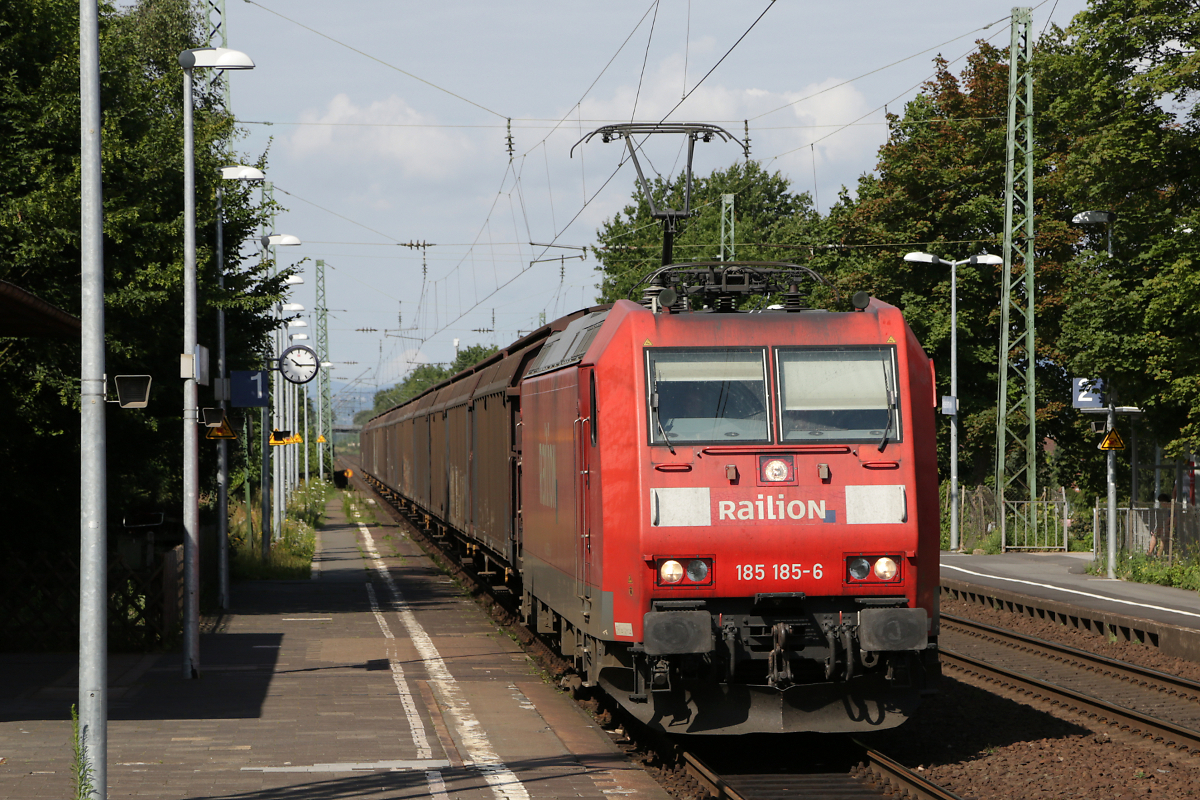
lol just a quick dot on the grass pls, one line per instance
(81, 770)
(357, 509)
(1180, 573)
(291, 555)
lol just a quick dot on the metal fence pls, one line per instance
(39, 603)
(1034, 525)
(976, 517)
(1027, 525)
(1170, 530)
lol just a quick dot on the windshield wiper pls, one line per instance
(887, 427)
(658, 420)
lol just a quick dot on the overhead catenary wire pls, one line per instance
(645, 58)
(377, 60)
(520, 200)
(878, 69)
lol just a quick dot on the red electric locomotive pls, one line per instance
(729, 519)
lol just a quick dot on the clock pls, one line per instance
(298, 364)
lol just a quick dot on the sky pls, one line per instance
(386, 128)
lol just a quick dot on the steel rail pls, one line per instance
(904, 782)
(875, 772)
(1172, 684)
(1159, 729)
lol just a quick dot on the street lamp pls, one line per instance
(200, 58)
(235, 172)
(280, 466)
(1106, 218)
(1097, 218)
(950, 404)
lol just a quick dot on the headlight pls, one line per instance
(885, 569)
(670, 572)
(775, 470)
(697, 570)
(860, 568)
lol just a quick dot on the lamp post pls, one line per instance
(303, 398)
(92, 738)
(272, 240)
(236, 172)
(1106, 218)
(214, 58)
(950, 408)
(282, 417)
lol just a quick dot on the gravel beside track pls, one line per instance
(978, 742)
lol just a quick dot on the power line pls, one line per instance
(879, 69)
(377, 60)
(770, 5)
(435, 126)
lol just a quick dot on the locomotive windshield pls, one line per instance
(707, 396)
(837, 394)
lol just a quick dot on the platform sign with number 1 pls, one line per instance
(249, 388)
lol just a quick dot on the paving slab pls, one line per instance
(1063, 577)
(376, 677)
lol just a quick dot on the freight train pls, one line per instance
(729, 520)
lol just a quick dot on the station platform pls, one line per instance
(1059, 583)
(378, 678)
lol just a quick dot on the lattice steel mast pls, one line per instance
(727, 251)
(326, 387)
(1016, 424)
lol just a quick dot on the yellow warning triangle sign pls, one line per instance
(1112, 441)
(890, 340)
(279, 437)
(223, 431)
(297, 439)
(321, 439)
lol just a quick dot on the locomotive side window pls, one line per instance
(707, 396)
(838, 394)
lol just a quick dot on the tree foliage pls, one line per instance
(142, 155)
(771, 224)
(423, 377)
(1117, 127)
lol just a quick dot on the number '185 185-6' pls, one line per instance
(780, 572)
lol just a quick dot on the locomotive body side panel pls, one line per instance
(554, 566)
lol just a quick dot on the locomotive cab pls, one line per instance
(783, 491)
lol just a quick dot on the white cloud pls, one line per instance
(386, 133)
(786, 140)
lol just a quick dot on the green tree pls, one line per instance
(769, 220)
(1127, 78)
(142, 152)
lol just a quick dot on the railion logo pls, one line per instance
(803, 506)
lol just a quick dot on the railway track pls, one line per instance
(873, 775)
(1163, 707)
(859, 773)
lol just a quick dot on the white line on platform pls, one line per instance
(504, 784)
(358, 766)
(415, 725)
(308, 619)
(1074, 591)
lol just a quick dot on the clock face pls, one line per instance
(298, 364)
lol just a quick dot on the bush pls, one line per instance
(291, 555)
